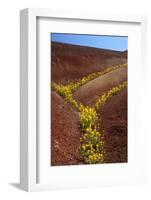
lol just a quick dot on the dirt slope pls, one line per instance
(88, 93)
(72, 62)
(65, 132)
(114, 122)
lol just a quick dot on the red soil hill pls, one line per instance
(72, 62)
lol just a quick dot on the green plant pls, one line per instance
(66, 92)
(88, 117)
(102, 99)
(92, 146)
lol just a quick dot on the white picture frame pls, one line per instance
(30, 164)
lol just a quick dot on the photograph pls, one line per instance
(89, 99)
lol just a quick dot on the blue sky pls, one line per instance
(118, 43)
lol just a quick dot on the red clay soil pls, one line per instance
(89, 93)
(72, 62)
(114, 122)
(65, 132)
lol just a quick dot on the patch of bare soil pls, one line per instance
(72, 62)
(89, 93)
(65, 132)
(114, 122)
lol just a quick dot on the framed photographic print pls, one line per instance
(82, 79)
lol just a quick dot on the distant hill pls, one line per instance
(72, 62)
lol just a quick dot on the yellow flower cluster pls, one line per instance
(66, 92)
(88, 117)
(95, 158)
(101, 100)
(92, 146)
